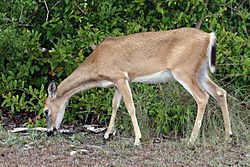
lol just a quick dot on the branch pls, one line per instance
(91, 128)
(78, 7)
(47, 8)
(56, 4)
(15, 130)
(198, 24)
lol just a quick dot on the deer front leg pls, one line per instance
(125, 91)
(115, 105)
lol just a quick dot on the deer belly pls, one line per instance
(159, 77)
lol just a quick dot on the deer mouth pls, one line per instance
(51, 132)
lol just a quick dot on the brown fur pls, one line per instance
(119, 60)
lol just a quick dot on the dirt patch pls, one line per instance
(86, 149)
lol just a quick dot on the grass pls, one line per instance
(36, 149)
(168, 110)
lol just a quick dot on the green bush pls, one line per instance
(37, 46)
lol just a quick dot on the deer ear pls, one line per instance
(52, 89)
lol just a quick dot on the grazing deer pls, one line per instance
(183, 54)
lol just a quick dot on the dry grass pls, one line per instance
(36, 149)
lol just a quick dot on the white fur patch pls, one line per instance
(60, 115)
(185, 86)
(118, 97)
(203, 76)
(209, 50)
(159, 77)
(106, 84)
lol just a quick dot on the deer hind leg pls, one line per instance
(220, 96)
(191, 84)
(125, 91)
(115, 105)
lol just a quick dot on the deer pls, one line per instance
(185, 55)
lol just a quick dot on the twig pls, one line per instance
(52, 42)
(231, 96)
(91, 128)
(79, 7)
(15, 130)
(55, 4)
(3, 143)
(47, 8)
(24, 25)
(94, 129)
(20, 17)
(198, 24)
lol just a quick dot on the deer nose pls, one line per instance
(52, 132)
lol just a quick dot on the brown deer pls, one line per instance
(183, 54)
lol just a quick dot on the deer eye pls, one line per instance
(46, 112)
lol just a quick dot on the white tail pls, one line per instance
(212, 52)
(153, 57)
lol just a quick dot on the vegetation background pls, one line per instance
(44, 40)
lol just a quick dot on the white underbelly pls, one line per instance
(105, 84)
(159, 77)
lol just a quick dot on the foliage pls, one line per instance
(42, 41)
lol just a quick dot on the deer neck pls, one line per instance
(83, 78)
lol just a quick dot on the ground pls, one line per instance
(89, 149)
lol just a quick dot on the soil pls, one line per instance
(88, 149)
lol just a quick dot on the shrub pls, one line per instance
(42, 41)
